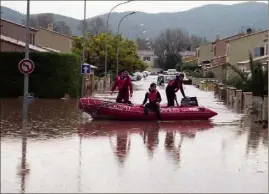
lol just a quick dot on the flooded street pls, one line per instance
(63, 154)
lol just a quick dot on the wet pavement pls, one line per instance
(63, 153)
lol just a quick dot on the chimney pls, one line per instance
(217, 37)
(50, 27)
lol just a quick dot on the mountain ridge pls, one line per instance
(207, 20)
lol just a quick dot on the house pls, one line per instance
(17, 31)
(244, 65)
(219, 49)
(204, 54)
(49, 38)
(185, 54)
(13, 38)
(238, 49)
(8, 44)
(147, 56)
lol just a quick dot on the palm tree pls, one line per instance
(258, 83)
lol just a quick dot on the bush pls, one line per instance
(189, 67)
(236, 82)
(54, 75)
(196, 74)
(258, 82)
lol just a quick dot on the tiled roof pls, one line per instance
(246, 35)
(18, 24)
(21, 43)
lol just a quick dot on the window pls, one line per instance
(259, 51)
(266, 48)
(146, 58)
(198, 53)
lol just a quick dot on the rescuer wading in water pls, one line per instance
(172, 87)
(154, 98)
(124, 84)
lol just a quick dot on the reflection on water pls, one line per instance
(151, 138)
(47, 117)
(123, 143)
(60, 154)
(23, 170)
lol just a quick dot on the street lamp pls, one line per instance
(118, 37)
(83, 47)
(136, 26)
(107, 31)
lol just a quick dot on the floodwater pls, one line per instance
(63, 153)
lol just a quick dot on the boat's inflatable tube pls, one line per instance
(100, 109)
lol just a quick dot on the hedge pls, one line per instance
(54, 75)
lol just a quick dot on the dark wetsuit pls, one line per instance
(171, 89)
(153, 98)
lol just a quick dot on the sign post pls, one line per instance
(24, 67)
(85, 69)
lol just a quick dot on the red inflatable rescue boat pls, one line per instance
(100, 109)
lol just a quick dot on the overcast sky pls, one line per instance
(75, 8)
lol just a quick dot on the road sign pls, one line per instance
(85, 68)
(26, 66)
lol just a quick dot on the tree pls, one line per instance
(95, 52)
(62, 28)
(43, 20)
(257, 83)
(170, 42)
(142, 44)
(94, 26)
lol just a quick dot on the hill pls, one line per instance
(208, 20)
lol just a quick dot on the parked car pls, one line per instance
(171, 71)
(133, 78)
(186, 81)
(160, 80)
(146, 73)
(139, 75)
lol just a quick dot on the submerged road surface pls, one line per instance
(61, 154)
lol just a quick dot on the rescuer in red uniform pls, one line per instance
(172, 87)
(154, 98)
(124, 84)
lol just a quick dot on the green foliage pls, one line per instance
(192, 66)
(172, 61)
(54, 75)
(95, 53)
(258, 82)
(237, 82)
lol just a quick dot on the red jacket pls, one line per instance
(123, 84)
(175, 84)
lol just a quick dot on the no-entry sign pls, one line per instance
(26, 66)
